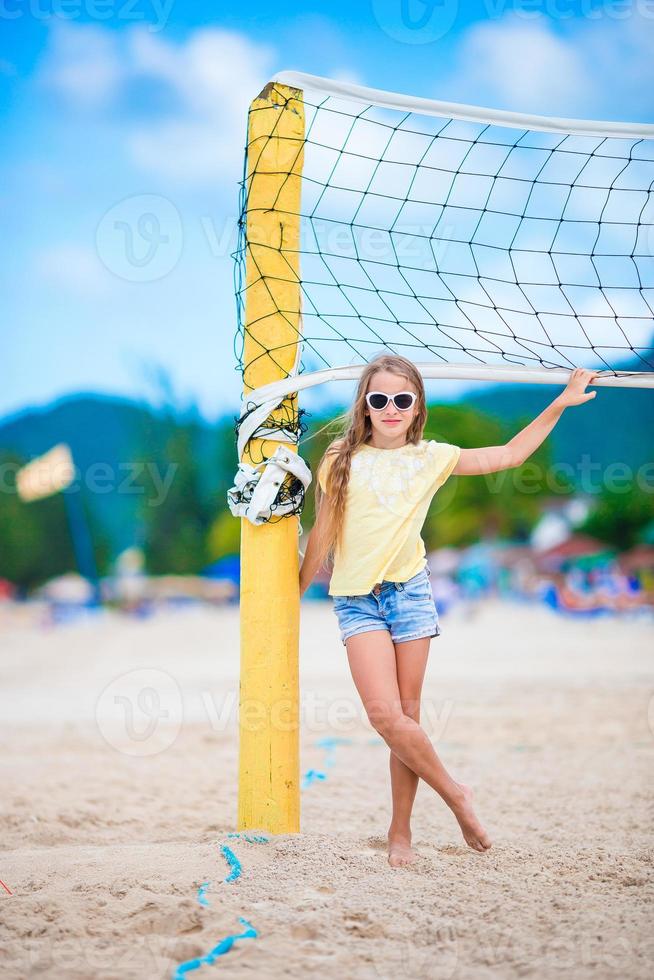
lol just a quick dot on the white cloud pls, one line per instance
(212, 77)
(82, 65)
(523, 62)
(215, 75)
(621, 54)
(214, 71)
(600, 68)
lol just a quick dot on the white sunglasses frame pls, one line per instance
(391, 398)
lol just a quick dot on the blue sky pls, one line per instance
(115, 111)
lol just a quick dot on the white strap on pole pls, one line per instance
(257, 488)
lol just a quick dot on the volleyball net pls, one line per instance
(465, 239)
(481, 245)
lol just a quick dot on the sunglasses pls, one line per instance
(403, 400)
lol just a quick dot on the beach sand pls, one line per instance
(109, 830)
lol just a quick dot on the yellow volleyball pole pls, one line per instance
(269, 770)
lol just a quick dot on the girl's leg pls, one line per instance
(411, 662)
(372, 662)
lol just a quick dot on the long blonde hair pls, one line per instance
(356, 429)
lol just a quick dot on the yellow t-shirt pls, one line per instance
(388, 495)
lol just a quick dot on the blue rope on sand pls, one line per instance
(225, 944)
(223, 947)
(232, 861)
(251, 838)
(329, 744)
(202, 892)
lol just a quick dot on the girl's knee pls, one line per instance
(387, 723)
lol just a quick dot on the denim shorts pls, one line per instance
(405, 609)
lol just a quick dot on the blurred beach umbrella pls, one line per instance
(53, 472)
(45, 475)
(227, 567)
(576, 549)
(70, 588)
(551, 530)
(131, 561)
(129, 582)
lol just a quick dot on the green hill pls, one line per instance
(616, 425)
(129, 437)
(114, 441)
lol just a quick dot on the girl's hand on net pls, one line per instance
(574, 393)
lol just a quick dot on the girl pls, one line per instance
(373, 492)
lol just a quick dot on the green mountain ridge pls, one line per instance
(126, 436)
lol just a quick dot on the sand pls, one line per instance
(106, 839)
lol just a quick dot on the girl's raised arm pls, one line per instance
(491, 459)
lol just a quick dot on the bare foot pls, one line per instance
(400, 851)
(473, 832)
